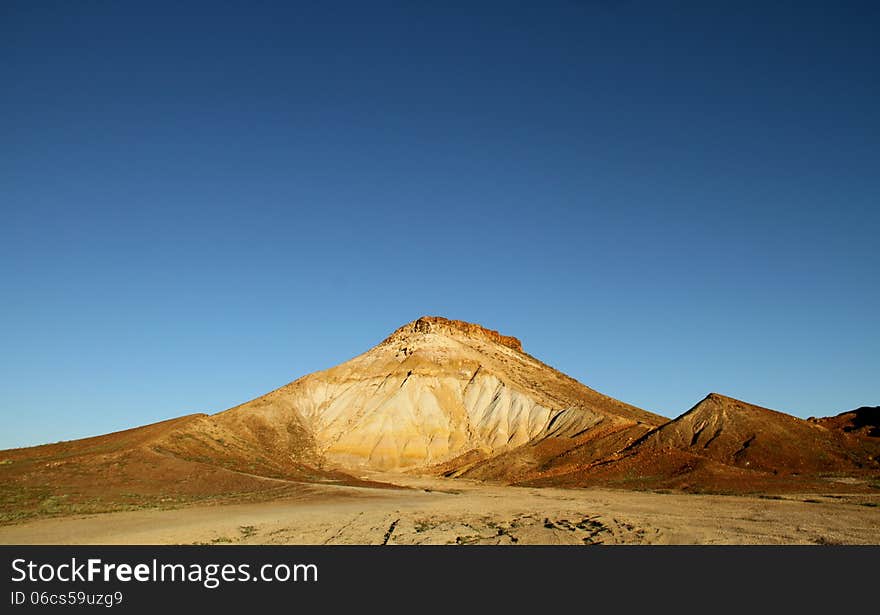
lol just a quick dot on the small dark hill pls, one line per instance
(724, 444)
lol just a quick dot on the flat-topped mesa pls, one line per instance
(438, 324)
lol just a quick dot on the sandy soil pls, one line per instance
(438, 511)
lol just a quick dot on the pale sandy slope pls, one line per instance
(438, 511)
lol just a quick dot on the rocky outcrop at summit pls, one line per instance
(440, 325)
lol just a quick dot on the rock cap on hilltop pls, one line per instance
(438, 324)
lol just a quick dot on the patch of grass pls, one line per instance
(221, 540)
(54, 503)
(21, 502)
(421, 525)
(821, 540)
(467, 540)
(247, 530)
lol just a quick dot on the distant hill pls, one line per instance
(725, 444)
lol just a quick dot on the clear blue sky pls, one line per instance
(202, 202)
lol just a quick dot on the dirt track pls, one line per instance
(439, 511)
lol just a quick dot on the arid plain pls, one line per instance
(464, 512)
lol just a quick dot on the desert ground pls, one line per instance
(436, 511)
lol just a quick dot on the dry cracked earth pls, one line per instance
(443, 512)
